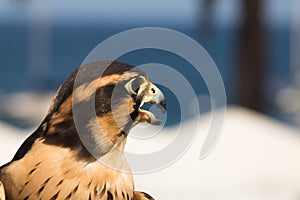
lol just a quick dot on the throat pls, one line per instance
(115, 158)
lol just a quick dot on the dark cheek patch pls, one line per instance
(103, 99)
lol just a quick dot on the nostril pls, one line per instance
(153, 90)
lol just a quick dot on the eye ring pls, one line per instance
(135, 84)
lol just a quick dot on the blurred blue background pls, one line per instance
(41, 43)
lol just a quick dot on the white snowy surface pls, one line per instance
(11, 138)
(28, 106)
(256, 158)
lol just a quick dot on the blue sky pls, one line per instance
(177, 11)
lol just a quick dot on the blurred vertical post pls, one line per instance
(206, 17)
(39, 44)
(295, 41)
(251, 66)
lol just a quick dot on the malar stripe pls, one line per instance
(134, 115)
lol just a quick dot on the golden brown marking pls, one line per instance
(85, 91)
(63, 114)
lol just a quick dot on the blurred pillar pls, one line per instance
(206, 16)
(295, 41)
(39, 44)
(251, 66)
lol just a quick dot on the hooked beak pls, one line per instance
(153, 96)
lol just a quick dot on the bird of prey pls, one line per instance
(60, 160)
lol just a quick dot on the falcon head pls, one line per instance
(142, 91)
(98, 105)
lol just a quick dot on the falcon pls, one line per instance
(77, 152)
